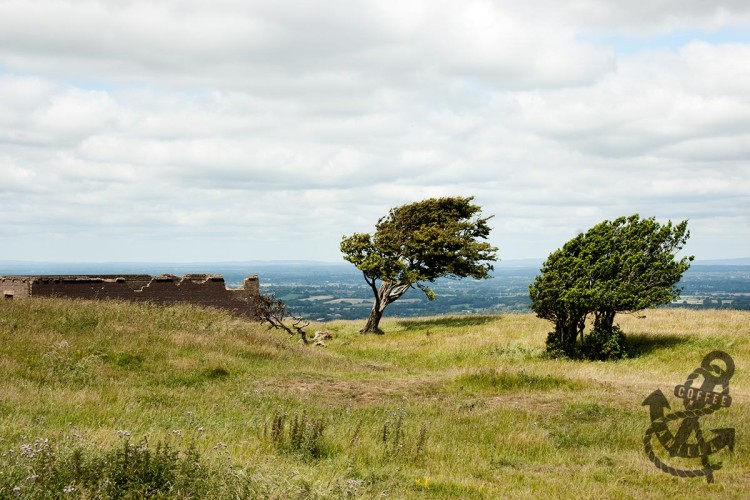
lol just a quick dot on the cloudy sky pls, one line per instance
(179, 130)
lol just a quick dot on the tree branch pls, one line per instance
(274, 311)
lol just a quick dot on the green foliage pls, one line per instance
(601, 344)
(605, 344)
(623, 265)
(555, 348)
(417, 243)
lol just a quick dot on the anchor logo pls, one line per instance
(701, 396)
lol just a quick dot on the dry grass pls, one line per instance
(451, 407)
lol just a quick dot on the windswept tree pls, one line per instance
(416, 244)
(641, 271)
(618, 266)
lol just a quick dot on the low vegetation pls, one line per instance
(119, 400)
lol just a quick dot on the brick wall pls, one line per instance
(200, 289)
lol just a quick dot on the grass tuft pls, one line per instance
(299, 435)
(490, 379)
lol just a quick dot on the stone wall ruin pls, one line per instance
(207, 290)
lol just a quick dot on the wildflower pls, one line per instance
(69, 489)
(123, 434)
(424, 483)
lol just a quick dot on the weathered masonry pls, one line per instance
(207, 290)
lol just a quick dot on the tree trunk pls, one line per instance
(569, 327)
(373, 321)
(387, 293)
(605, 319)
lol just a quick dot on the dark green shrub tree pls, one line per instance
(559, 294)
(618, 266)
(417, 243)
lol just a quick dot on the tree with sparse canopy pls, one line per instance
(618, 266)
(418, 243)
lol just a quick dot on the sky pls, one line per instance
(237, 130)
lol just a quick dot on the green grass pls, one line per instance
(448, 407)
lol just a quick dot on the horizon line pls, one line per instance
(727, 261)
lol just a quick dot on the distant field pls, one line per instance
(439, 407)
(339, 292)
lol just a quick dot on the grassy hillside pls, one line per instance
(438, 407)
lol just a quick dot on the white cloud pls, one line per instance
(272, 47)
(651, 102)
(269, 129)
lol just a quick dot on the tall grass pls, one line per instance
(448, 407)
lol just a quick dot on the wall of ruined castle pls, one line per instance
(15, 288)
(202, 290)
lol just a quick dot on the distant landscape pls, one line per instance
(329, 291)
